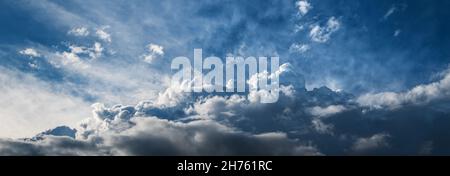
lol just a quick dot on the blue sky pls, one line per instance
(363, 55)
(60, 57)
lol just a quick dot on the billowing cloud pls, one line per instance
(117, 131)
(316, 120)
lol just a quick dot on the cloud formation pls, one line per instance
(371, 143)
(30, 52)
(79, 31)
(322, 34)
(58, 87)
(103, 34)
(154, 52)
(30, 105)
(420, 94)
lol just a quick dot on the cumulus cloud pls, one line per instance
(153, 136)
(79, 31)
(30, 52)
(123, 131)
(303, 6)
(314, 121)
(320, 121)
(322, 34)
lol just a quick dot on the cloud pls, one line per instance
(302, 122)
(320, 113)
(154, 52)
(299, 48)
(78, 57)
(321, 120)
(96, 51)
(389, 12)
(154, 136)
(29, 105)
(397, 32)
(322, 34)
(51, 146)
(79, 31)
(420, 94)
(327, 111)
(374, 142)
(30, 52)
(103, 34)
(394, 9)
(303, 6)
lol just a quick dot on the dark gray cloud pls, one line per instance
(153, 136)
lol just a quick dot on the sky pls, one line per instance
(357, 77)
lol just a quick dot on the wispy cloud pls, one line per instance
(30, 52)
(322, 34)
(79, 31)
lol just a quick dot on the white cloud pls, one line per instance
(303, 6)
(300, 48)
(327, 111)
(78, 57)
(418, 95)
(102, 34)
(30, 52)
(155, 51)
(322, 34)
(376, 141)
(29, 106)
(96, 51)
(79, 31)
